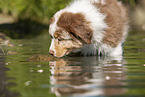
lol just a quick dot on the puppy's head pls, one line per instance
(69, 32)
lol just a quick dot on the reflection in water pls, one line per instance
(88, 76)
(74, 76)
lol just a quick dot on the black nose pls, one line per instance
(51, 52)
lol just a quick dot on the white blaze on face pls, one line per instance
(52, 48)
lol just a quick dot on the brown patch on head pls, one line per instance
(115, 19)
(76, 25)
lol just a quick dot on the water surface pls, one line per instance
(90, 76)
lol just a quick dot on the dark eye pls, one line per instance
(60, 39)
(51, 37)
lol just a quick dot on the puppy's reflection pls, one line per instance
(88, 76)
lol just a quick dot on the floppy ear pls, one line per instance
(76, 25)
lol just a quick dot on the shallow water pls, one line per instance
(92, 76)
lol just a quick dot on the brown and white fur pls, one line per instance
(92, 27)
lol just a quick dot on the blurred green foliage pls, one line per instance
(40, 10)
(36, 10)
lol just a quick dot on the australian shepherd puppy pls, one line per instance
(91, 27)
